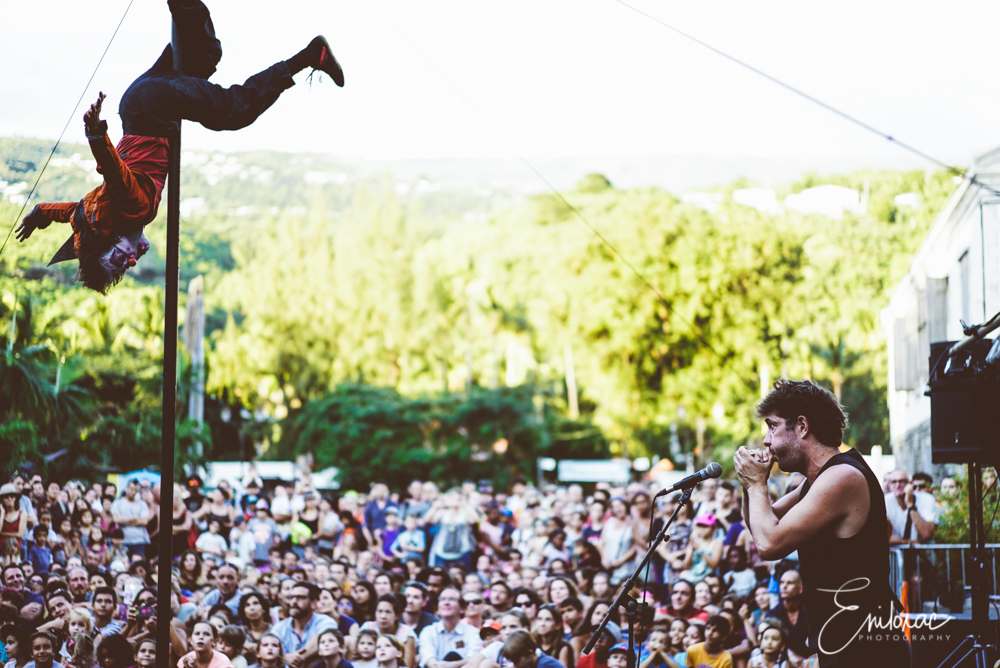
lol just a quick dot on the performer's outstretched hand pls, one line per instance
(33, 221)
(92, 119)
(753, 466)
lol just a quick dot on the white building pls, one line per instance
(954, 276)
(762, 199)
(827, 200)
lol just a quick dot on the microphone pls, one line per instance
(713, 470)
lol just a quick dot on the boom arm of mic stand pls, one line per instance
(628, 584)
(975, 334)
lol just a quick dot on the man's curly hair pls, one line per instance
(791, 398)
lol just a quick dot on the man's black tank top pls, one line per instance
(840, 573)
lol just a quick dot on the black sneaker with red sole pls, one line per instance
(327, 63)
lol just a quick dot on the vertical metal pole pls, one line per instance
(169, 424)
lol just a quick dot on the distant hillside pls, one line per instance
(229, 182)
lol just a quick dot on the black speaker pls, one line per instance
(965, 405)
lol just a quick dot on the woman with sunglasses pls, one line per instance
(474, 605)
(528, 601)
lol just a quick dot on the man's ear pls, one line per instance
(802, 426)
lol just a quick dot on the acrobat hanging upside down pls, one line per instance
(108, 222)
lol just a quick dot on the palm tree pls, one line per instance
(25, 389)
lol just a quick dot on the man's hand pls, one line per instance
(752, 466)
(911, 498)
(92, 119)
(33, 221)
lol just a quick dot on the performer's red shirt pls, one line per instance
(134, 174)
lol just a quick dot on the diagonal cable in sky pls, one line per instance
(829, 107)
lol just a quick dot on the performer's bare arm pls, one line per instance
(780, 507)
(838, 500)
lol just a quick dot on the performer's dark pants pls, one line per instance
(161, 97)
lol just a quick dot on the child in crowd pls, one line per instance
(212, 544)
(78, 623)
(740, 579)
(145, 653)
(410, 543)
(771, 654)
(10, 552)
(40, 555)
(43, 650)
(82, 651)
(388, 652)
(364, 652)
(331, 650)
(203, 654)
(389, 535)
(231, 641)
(117, 549)
(676, 630)
(96, 548)
(657, 648)
(15, 640)
(694, 634)
(618, 656)
(712, 652)
(269, 652)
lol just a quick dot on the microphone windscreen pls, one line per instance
(714, 470)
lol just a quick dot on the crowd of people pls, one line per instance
(471, 576)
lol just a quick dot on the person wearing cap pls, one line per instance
(618, 656)
(132, 514)
(265, 533)
(490, 633)
(704, 551)
(492, 656)
(24, 498)
(251, 496)
(610, 636)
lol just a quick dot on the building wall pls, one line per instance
(944, 286)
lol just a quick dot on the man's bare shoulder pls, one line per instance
(841, 478)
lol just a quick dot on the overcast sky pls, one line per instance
(547, 78)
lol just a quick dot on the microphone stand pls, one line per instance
(631, 605)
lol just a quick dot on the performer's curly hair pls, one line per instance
(791, 398)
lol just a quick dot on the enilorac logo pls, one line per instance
(875, 628)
